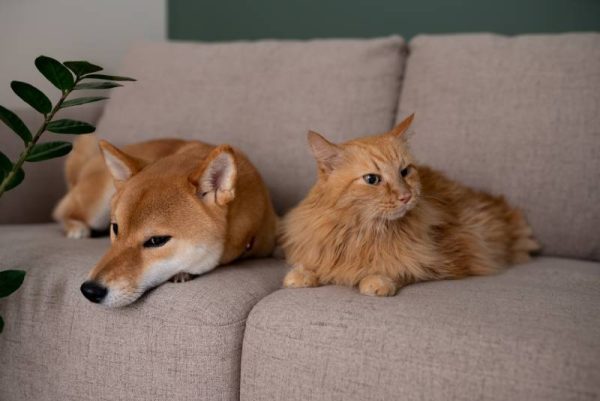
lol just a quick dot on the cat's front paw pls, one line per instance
(298, 277)
(181, 277)
(76, 229)
(377, 285)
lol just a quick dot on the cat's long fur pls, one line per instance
(350, 233)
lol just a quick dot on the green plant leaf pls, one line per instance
(5, 165)
(82, 100)
(1, 324)
(16, 180)
(16, 124)
(109, 77)
(5, 168)
(66, 126)
(97, 85)
(32, 96)
(48, 150)
(10, 281)
(55, 72)
(82, 67)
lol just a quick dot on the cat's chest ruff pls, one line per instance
(376, 239)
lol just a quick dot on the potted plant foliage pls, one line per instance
(68, 77)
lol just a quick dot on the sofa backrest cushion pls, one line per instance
(516, 116)
(262, 97)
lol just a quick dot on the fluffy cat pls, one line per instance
(377, 220)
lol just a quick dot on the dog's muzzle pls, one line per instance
(93, 291)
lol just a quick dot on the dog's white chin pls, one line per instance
(191, 259)
(117, 298)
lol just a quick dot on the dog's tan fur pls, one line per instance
(350, 233)
(210, 200)
(86, 205)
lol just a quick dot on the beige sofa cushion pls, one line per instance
(179, 342)
(531, 333)
(260, 96)
(517, 116)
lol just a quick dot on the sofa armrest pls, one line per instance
(34, 199)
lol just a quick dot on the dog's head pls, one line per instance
(164, 220)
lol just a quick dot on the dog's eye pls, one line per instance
(158, 241)
(372, 179)
(404, 172)
(115, 228)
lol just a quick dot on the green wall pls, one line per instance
(218, 20)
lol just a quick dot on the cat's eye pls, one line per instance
(157, 241)
(115, 228)
(372, 179)
(404, 172)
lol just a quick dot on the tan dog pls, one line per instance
(180, 208)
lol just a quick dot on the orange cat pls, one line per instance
(378, 220)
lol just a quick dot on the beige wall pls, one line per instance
(99, 31)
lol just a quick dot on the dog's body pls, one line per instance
(178, 207)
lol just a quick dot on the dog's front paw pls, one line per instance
(76, 229)
(181, 277)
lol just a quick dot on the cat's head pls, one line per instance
(372, 177)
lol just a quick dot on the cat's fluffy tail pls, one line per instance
(523, 243)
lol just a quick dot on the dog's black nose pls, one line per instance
(93, 291)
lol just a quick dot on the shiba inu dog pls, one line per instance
(175, 209)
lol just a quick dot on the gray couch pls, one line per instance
(518, 116)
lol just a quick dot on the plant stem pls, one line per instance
(47, 118)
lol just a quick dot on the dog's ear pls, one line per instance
(120, 165)
(328, 155)
(215, 179)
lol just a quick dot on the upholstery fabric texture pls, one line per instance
(515, 116)
(262, 97)
(180, 342)
(529, 333)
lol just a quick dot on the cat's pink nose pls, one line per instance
(405, 197)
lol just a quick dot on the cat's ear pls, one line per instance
(216, 177)
(120, 165)
(326, 153)
(399, 130)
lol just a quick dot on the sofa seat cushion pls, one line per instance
(262, 97)
(179, 342)
(517, 116)
(530, 333)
